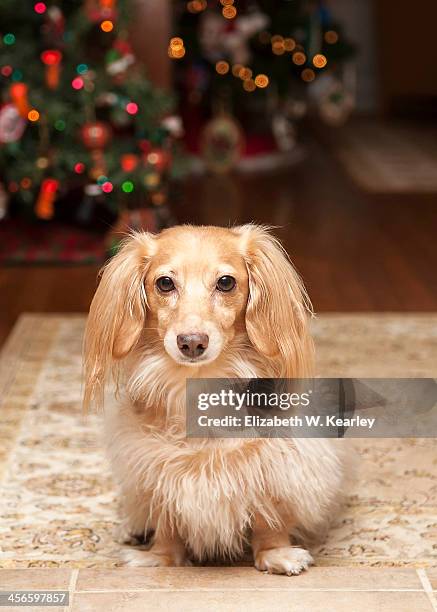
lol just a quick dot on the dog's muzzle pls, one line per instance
(192, 345)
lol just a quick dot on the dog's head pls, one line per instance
(191, 291)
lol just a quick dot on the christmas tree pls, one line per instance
(78, 115)
(264, 62)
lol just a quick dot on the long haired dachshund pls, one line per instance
(205, 302)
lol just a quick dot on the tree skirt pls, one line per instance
(57, 503)
(24, 243)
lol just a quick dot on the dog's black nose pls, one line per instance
(192, 345)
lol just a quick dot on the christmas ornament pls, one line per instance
(95, 137)
(174, 126)
(222, 143)
(218, 37)
(64, 84)
(52, 60)
(336, 106)
(119, 58)
(334, 97)
(44, 208)
(18, 93)
(12, 125)
(159, 159)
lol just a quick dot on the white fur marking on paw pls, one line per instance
(148, 558)
(288, 560)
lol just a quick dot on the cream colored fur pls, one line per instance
(207, 497)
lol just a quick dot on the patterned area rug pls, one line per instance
(389, 158)
(57, 504)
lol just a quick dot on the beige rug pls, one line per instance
(387, 158)
(57, 505)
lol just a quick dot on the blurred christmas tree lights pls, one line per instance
(76, 105)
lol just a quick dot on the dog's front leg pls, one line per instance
(167, 549)
(273, 553)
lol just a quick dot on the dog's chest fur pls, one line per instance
(210, 490)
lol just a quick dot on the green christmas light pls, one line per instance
(60, 125)
(102, 179)
(112, 56)
(9, 39)
(81, 68)
(127, 186)
(17, 75)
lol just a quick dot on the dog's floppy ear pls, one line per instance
(117, 313)
(278, 306)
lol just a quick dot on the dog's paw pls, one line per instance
(148, 558)
(287, 560)
(124, 535)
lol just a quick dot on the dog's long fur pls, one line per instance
(206, 496)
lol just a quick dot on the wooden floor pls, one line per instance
(355, 251)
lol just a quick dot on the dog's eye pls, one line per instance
(165, 284)
(226, 283)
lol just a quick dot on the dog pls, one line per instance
(205, 302)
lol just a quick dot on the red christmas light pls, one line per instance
(79, 168)
(44, 207)
(77, 83)
(40, 8)
(52, 60)
(51, 57)
(107, 187)
(18, 93)
(129, 162)
(6, 70)
(132, 108)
